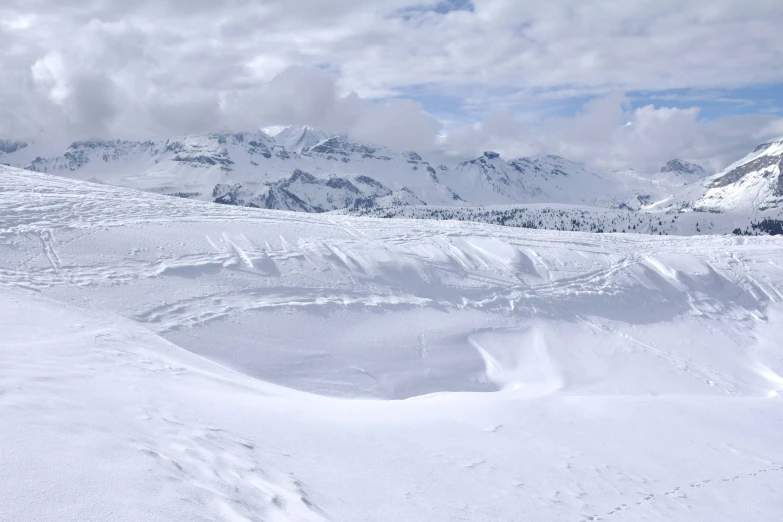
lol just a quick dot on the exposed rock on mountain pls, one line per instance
(679, 171)
(755, 183)
(299, 167)
(304, 192)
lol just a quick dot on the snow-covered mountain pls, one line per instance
(751, 186)
(299, 138)
(250, 165)
(245, 168)
(491, 179)
(307, 170)
(303, 192)
(680, 172)
(754, 183)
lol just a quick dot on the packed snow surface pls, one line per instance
(168, 359)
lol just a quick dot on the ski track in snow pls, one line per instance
(631, 339)
(337, 263)
(352, 263)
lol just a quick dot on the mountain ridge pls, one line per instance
(196, 165)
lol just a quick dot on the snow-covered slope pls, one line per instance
(582, 218)
(561, 376)
(490, 179)
(185, 165)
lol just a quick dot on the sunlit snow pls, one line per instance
(170, 359)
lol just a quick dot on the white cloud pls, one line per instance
(156, 67)
(51, 77)
(306, 96)
(607, 135)
(499, 132)
(772, 128)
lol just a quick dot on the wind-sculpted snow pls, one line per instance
(203, 272)
(556, 375)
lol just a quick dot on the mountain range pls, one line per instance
(304, 169)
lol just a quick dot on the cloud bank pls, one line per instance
(485, 73)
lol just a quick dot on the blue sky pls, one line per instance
(535, 106)
(716, 103)
(441, 7)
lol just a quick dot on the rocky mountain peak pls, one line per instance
(679, 166)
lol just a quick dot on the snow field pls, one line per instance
(165, 359)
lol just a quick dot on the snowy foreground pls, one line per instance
(167, 359)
